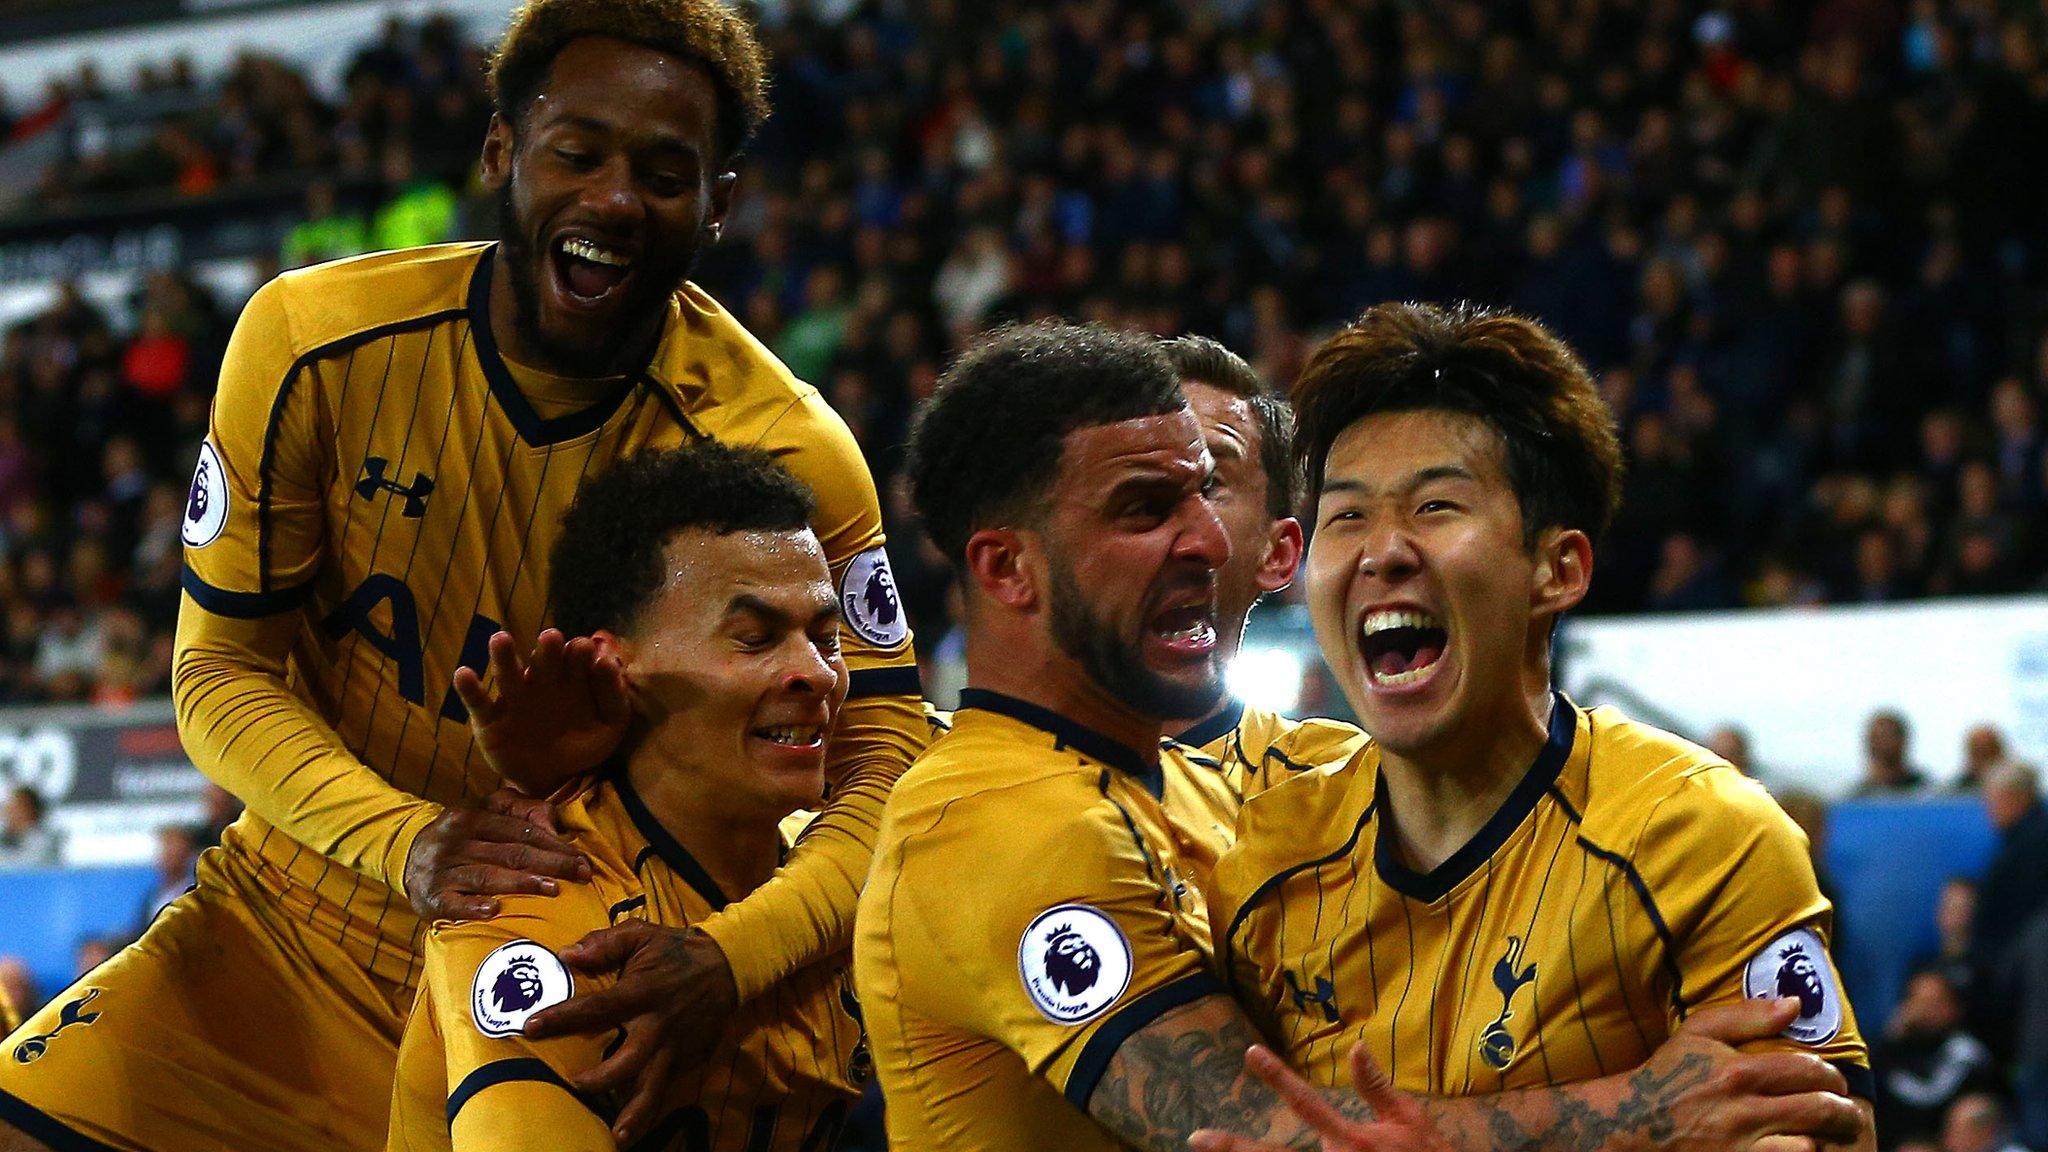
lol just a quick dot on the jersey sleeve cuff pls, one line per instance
(527, 1068)
(1862, 1084)
(1133, 1017)
(240, 605)
(901, 680)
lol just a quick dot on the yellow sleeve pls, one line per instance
(805, 913)
(1732, 877)
(507, 1093)
(254, 531)
(1053, 940)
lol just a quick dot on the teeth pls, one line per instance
(1381, 621)
(1198, 629)
(1408, 677)
(584, 250)
(791, 734)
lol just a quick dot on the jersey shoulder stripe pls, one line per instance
(332, 304)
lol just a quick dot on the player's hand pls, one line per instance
(1715, 1097)
(469, 856)
(674, 994)
(545, 721)
(1399, 1123)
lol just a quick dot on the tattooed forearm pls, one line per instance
(1185, 1071)
(1591, 1116)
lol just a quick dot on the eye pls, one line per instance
(1429, 506)
(753, 641)
(666, 184)
(576, 157)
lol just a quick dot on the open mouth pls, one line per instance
(796, 737)
(1401, 646)
(589, 271)
(1188, 630)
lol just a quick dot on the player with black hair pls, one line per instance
(391, 448)
(1502, 890)
(695, 569)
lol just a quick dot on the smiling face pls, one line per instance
(1131, 551)
(735, 666)
(608, 181)
(1429, 605)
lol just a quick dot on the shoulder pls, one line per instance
(1648, 789)
(1304, 745)
(1302, 819)
(332, 303)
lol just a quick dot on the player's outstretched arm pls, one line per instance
(541, 722)
(1695, 1094)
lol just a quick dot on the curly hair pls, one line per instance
(1204, 361)
(987, 445)
(706, 32)
(1562, 452)
(607, 566)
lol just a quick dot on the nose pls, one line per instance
(1202, 538)
(809, 670)
(609, 193)
(1388, 554)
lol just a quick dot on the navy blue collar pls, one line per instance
(1542, 773)
(531, 428)
(1215, 727)
(1070, 734)
(659, 840)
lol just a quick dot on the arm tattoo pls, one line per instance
(1185, 1071)
(1555, 1119)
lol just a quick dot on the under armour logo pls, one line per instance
(1325, 996)
(415, 495)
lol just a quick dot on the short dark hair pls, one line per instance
(1204, 361)
(987, 445)
(707, 33)
(608, 563)
(1563, 454)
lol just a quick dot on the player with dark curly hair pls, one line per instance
(696, 570)
(393, 443)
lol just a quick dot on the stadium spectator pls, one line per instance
(177, 862)
(18, 986)
(1978, 1123)
(94, 951)
(327, 232)
(1731, 743)
(1983, 748)
(1955, 917)
(1887, 741)
(2012, 890)
(1927, 1060)
(26, 838)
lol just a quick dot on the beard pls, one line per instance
(593, 352)
(1118, 664)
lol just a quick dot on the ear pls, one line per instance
(611, 645)
(721, 201)
(496, 169)
(1563, 571)
(1283, 555)
(996, 565)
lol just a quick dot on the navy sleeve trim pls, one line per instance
(241, 605)
(899, 681)
(40, 1125)
(505, 1072)
(1862, 1083)
(1131, 1018)
(1642, 891)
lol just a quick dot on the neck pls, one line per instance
(1035, 670)
(1444, 794)
(738, 848)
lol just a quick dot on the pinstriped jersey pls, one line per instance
(1031, 906)
(1215, 766)
(781, 1080)
(1629, 879)
(378, 495)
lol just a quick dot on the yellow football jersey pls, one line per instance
(782, 1079)
(1629, 879)
(378, 495)
(1215, 766)
(1030, 907)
